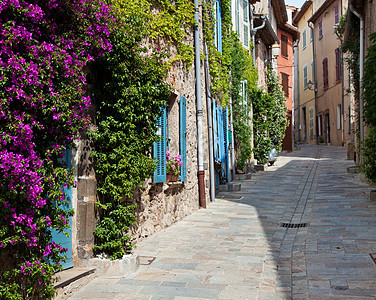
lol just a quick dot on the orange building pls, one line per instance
(287, 34)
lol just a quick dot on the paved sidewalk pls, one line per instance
(237, 248)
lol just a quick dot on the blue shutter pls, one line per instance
(226, 142)
(215, 138)
(183, 138)
(221, 151)
(160, 150)
(219, 26)
(65, 239)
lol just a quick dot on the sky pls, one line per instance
(296, 3)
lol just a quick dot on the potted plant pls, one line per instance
(173, 165)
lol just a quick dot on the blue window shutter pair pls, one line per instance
(159, 150)
(183, 138)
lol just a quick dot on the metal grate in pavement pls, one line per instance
(294, 225)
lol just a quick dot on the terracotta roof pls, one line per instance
(291, 30)
(307, 4)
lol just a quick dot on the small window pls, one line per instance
(325, 73)
(284, 44)
(320, 29)
(304, 38)
(336, 15)
(305, 76)
(285, 84)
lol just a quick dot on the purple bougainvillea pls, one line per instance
(44, 48)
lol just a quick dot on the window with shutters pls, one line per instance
(338, 64)
(172, 128)
(325, 73)
(336, 14)
(311, 131)
(304, 39)
(305, 76)
(320, 29)
(285, 84)
(245, 24)
(284, 44)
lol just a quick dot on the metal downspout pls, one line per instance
(232, 136)
(361, 59)
(310, 25)
(210, 125)
(296, 80)
(254, 31)
(200, 151)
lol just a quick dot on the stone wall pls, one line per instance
(159, 204)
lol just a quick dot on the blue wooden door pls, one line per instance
(59, 237)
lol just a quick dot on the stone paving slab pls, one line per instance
(237, 248)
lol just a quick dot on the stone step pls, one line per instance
(230, 187)
(243, 176)
(71, 280)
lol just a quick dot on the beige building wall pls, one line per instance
(333, 127)
(307, 120)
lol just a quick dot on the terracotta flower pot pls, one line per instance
(171, 177)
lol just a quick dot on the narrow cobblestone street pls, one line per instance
(245, 246)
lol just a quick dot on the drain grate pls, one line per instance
(294, 225)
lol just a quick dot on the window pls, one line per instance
(305, 76)
(320, 29)
(338, 64)
(284, 44)
(285, 84)
(311, 134)
(325, 73)
(179, 145)
(304, 38)
(246, 24)
(218, 25)
(339, 117)
(237, 17)
(336, 14)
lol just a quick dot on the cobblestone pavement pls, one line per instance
(237, 248)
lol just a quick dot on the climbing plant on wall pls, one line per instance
(45, 46)
(269, 117)
(369, 77)
(130, 90)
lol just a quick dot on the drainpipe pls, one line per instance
(343, 87)
(232, 136)
(296, 81)
(200, 148)
(254, 31)
(361, 59)
(310, 25)
(210, 125)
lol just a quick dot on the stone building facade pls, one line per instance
(159, 204)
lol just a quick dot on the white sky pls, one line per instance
(296, 3)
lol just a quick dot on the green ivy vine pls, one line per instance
(269, 117)
(369, 146)
(130, 89)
